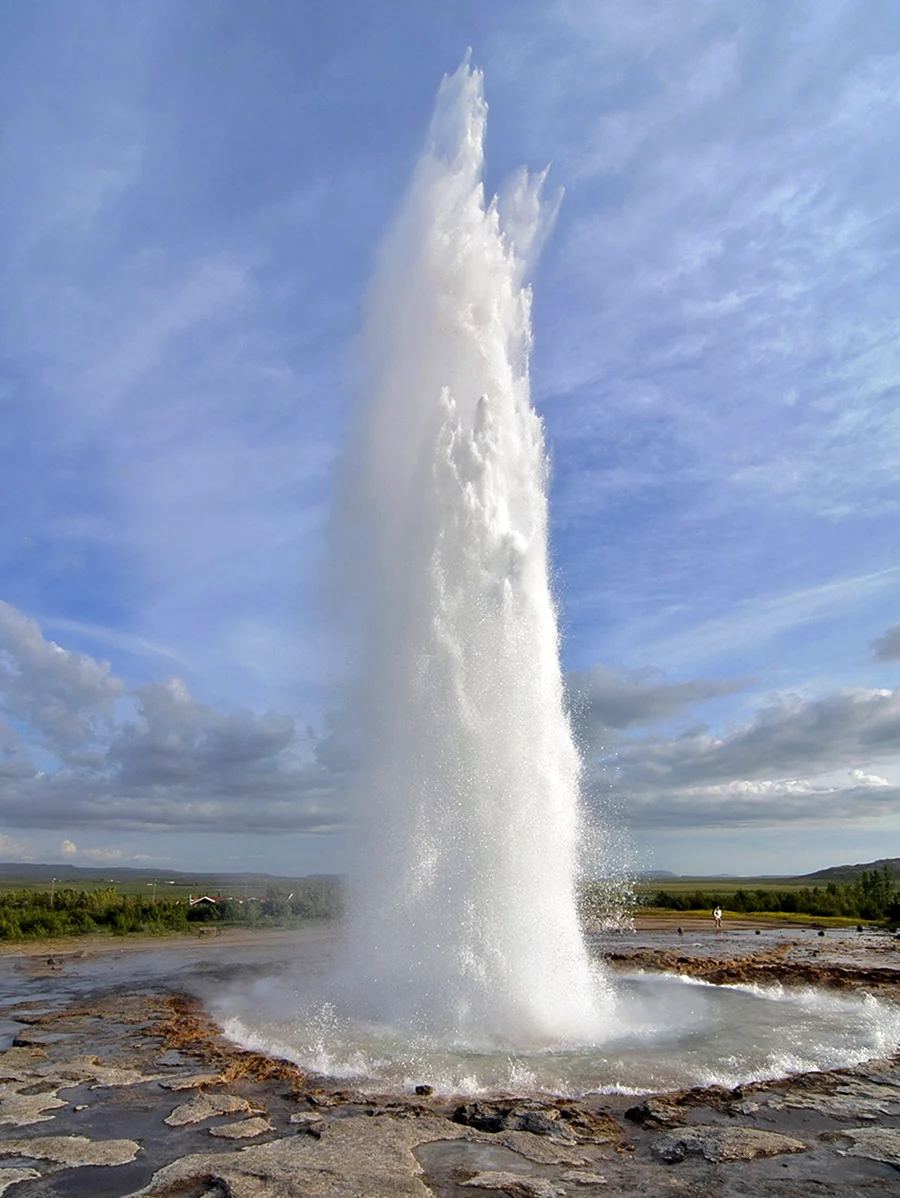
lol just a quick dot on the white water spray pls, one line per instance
(463, 920)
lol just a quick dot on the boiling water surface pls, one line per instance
(661, 1032)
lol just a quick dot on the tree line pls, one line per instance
(35, 914)
(873, 896)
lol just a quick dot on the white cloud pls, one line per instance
(174, 763)
(63, 697)
(887, 647)
(796, 760)
(13, 850)
(604, 698)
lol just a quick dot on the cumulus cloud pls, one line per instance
(604, 698)
(64, 698)
(887, 647)
(173, 762)
(79, 750)
(797, 759)
(12, 850)
(71, 852)
(791, 735)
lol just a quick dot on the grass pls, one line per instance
(761, 917)
(721, 885)
(223, 885)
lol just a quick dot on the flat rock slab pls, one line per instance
(539, 1149)
(718, 1144)
(19, 1109)
(205, 1106)
(11, 1177)
(73, 1150)
(194, 1081)
(244, 1129)
(173, 1059)
(17, 1064)
(579, 1177)
(874, 1143)
(516, 1185)
(370, 1155)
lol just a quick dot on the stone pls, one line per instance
(360, 1155)
(11, 1177)
(512, 1116)
(655, 1112)
(579, 1177)
(205, 1106)
(244, 1129)
(515, 1184)
(718, 1144)
(857, 1098)
(89, 1070)
(540, 1149)
(19, 1109)
(172, 1058)
(73, 1151)
(308, 1122)
(193, 1082)
(745, 1107)
(874, 1143)
(17, 1064)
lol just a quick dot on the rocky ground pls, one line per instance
(120, 1093)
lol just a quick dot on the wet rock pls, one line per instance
(579, 1177)
(656, 1112)
(874, 1143)
(194, 1082)
(244, 1129)
(19, 1110)
(514, 1116)
(718, 1144)
(308, 1122)
(505, 1116)
(10, 1177)
(424, 1090)
(360, 1155)
(515, 1184)
(17, 1064)
(590, 1127)
(33, 1038)
(847, 1102)
(172, 1058)
(88, 1070)
(205, 1106)
(540, 1149)
(72, 1150)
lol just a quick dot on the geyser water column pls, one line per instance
(463, 923)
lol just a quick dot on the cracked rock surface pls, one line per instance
(718, 1144)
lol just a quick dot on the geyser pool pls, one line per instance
(463, 919)
(663, 1032)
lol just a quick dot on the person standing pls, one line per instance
(717, 915)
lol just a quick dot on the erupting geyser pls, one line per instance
(463, 920)
(464, 964)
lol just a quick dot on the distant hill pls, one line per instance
(849, 873)
(30, 874)
(651, 874)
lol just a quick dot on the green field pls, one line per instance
(171, 886)
(684, 885)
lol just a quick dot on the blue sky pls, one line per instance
(190, 200)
